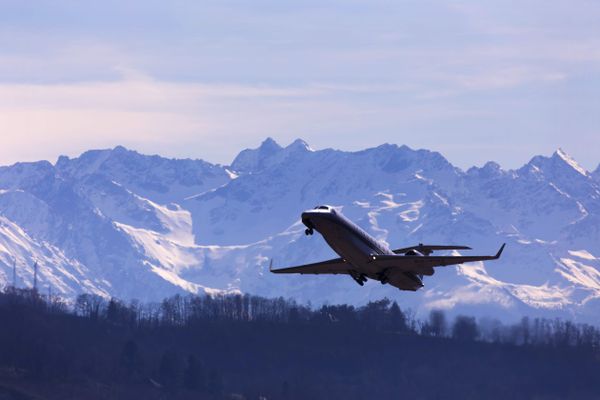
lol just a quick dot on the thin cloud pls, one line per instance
(45, 120)
(205, 80)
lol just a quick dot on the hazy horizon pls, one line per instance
(150, 153)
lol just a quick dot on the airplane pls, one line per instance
(363, 257)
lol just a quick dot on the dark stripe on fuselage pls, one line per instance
(361, 234)
(353, 231)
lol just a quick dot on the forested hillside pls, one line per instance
(244, 347)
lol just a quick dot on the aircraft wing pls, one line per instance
(428, 248)
(335, 266)
(419, 264)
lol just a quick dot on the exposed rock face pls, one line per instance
(119, 223)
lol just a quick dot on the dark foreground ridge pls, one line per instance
(248, 347)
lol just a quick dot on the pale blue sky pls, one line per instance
(474, 80)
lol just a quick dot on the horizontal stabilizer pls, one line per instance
(416, 263)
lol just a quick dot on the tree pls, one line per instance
(130, 358)
(215, 382)
(525, 330)
(89, 305)
(436, 324)
(285, 390)
(397, 319)
(374, 313)
(169, 370)
(465, 329)
(194, 377)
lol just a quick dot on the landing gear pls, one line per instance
(383, 278)
(359, 278)
(309, 227)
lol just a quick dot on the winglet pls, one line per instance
(499, 253)
(271, 265)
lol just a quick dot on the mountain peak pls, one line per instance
(489, 170)
(120, 149)
(559, 163)
(299, 144)
(250, 160)
(121, 223)
(269, 145)
(561, 155)
(267, 154)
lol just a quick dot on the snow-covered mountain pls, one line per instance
(119, 223)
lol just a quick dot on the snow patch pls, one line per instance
(570, 161)
(584, 254)
(580, 273)
(190, 287)
(170, 254)
(231, 174)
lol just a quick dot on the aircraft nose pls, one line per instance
(306, 219)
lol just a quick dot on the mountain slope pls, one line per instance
(145, 227)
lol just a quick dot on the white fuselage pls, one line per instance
(356, 247)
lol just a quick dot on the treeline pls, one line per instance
(382, 315)
(249, 347)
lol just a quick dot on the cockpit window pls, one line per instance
(326, 208)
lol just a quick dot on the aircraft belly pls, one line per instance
(357, 252)
(403, 281)
(346, 245)
(363, 257)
